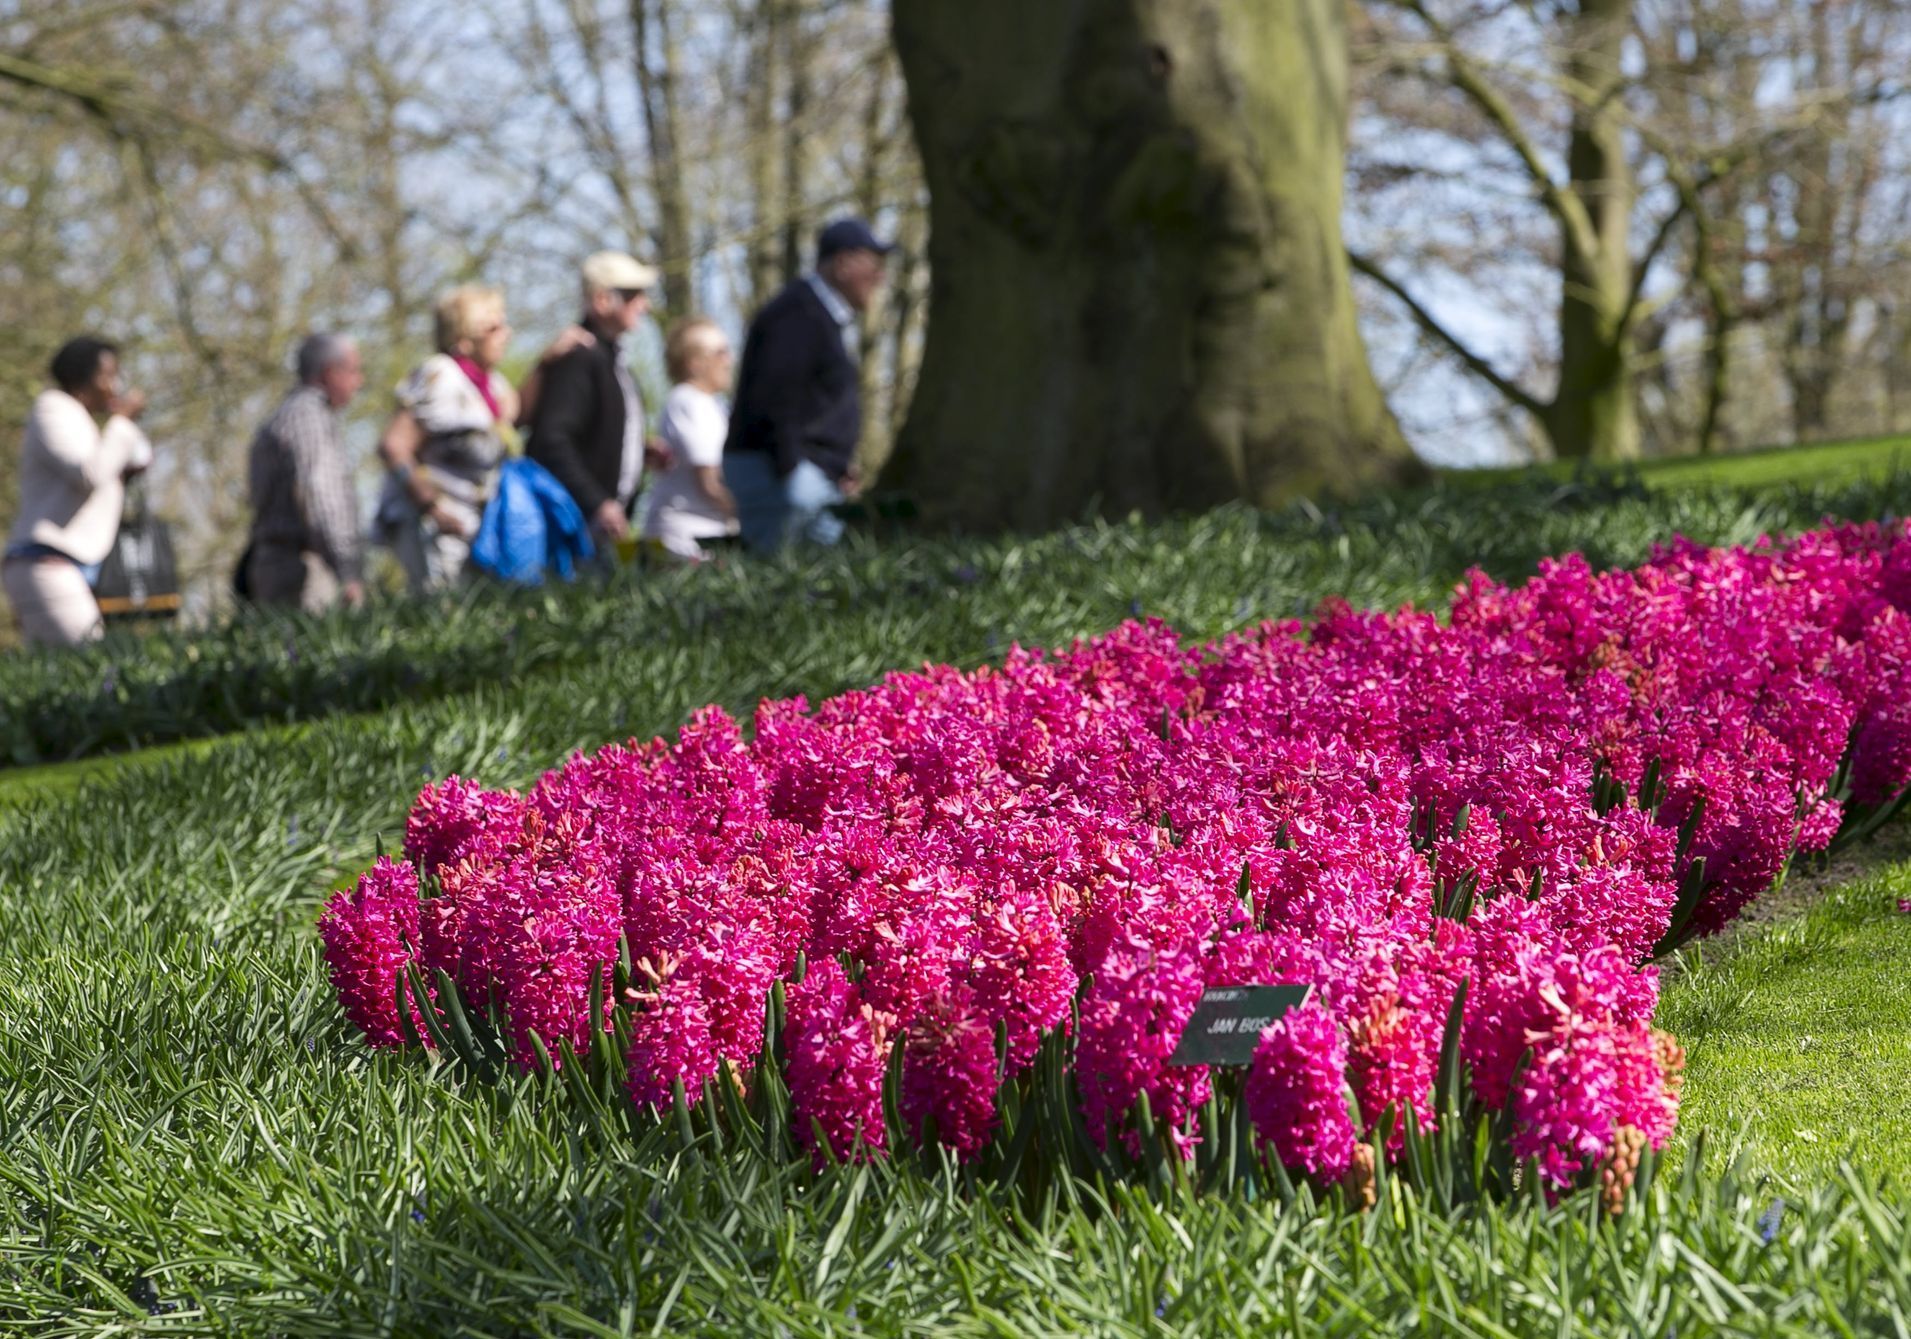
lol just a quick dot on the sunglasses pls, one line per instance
(630, 295)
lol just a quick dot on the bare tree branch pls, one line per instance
(1429, 323)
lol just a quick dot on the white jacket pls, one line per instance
(72, 472)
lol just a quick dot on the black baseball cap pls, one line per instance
(849, 235)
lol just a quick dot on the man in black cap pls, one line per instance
(798, 411)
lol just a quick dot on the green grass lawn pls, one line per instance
(1827, 462)
(1798, 1032)
(1763, 467)
(191, 1138)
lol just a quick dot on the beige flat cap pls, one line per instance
(614, 269)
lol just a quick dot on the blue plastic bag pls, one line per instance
(530, 527)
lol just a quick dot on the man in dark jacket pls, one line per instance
(798, 411)
(588, 425)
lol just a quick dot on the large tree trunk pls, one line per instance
(1593, 415)
(1139, 297)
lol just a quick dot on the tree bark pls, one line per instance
(759, 121)
(797, 149)
(1593, 414)
(654, 29)
(1138, 294)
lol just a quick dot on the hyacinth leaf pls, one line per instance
(773, 1023)
(1483, 1168)
(1694, 1162)
(1691, 894)
(594, 1010)
(469, 1049)
(898, 1136)
(1870, 820)
(407, 1030)
(1001, 1050)
(1643, 1176)
(1207, 1127)
(769, 1105)
(1688, 830)
(1450, 1094)
(819, 1142)
(680, 1112)
(1503, 1127)
(1060, 1099)
(1416, 1153)
(1460, 819)
(1454, 901)
(1244, 1166)
(1279, 1178)
(1651, 794)
(1062, 1135)
(575, 1079)
(1244, 890)
(1100, 1156)
(742, 1124)
(1377, 1142)
(546, 1068)
(712, 1116)
(1015, 1134)
(439, 1040)
(1607, 794)
(1152, 1158)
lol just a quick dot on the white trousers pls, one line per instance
(51, 601)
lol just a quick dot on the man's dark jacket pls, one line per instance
(577, 429)
(797, 395)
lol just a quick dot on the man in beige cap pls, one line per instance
(588, 427)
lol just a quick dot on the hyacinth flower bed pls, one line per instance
(973, 912)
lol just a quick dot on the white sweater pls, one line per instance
(72, 472)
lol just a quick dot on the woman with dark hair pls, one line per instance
(81, 443)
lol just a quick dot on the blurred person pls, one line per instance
(588, 425)
(688, 501)
(307, 549)
(446, 440)
(798, 415)
(82, 442)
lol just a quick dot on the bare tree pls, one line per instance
(1633, 143)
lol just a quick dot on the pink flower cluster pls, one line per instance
(969, 861)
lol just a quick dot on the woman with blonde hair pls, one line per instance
(456, 418)
(689, 503)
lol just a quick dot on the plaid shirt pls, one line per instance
(302, 493)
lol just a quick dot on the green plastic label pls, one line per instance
(1226, 1026)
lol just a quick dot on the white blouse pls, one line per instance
(72, 477)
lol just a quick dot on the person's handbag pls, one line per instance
(140, 577)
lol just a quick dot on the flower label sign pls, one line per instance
(1226, 1026)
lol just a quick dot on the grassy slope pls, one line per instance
(1798, 1032)
(182, 1113)
(1870, 457)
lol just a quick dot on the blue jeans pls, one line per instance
(773, 510)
